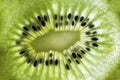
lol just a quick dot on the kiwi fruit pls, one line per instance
(59, 40)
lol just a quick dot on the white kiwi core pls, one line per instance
(57, 41)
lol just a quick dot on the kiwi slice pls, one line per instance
(58, 40)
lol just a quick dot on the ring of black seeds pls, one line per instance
(43, 21)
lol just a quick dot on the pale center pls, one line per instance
(57, 41)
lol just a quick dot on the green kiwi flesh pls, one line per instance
(85, 47)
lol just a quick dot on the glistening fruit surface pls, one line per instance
(91, 53)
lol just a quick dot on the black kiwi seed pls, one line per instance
(67, 67)
(50, 55)
(74, 55)
(34, 28)
(24, 34)
(87, 33)
(18, 42)
(81, 18)
(69, 15)
(21, 52)
(56, 25)
(27, 55)
(77, 62)
(56, 62)
(51, 61)
(83, 23)
(47, 62)
(43, 23)
(61, 18)
(95, 44)
(25, 28)
(72, 23)
(39, 18)
(87, 19)
(91, 26)
(69, 61)
(41, 60)
(88, 49)
(45, 17)
(79, 55)
(94, 32)
(76, 18)
(29, 61)
(87, 42)
(94, 38)
(35, 63)
(82, 51)
(55, 16)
